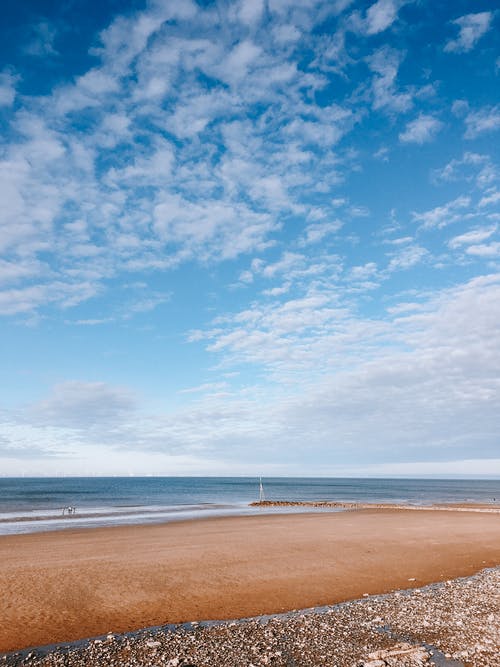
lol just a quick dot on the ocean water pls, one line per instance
(36, 504)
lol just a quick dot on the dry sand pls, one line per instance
(66, 585)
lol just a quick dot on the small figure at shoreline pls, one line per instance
(68, 510)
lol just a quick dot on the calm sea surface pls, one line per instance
(36, 504)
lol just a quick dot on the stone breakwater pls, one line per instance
(451, 624)
(333, 504)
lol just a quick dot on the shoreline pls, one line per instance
(85, 520)
(65, 585)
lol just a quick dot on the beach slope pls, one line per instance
(66, 585)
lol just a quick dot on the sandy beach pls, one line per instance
(450, 624)
(67, 585)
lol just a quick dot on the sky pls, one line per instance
(250, 237)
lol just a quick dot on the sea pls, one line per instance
(40, 504)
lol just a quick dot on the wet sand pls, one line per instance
(66, 585)
(450, 624)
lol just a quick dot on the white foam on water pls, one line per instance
(15, 523)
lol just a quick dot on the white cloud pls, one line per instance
(233, 228)
(443, 215)
(90, 322)
(471, 28)
(382, 154)
(137, 164)
(29, 298)
(277, 291)
(381, 15)
(484, 250)
(385, 63)
(422, 129)
(294, 268)
(486, 119)
(363, 272)
(246, 277)
(145, 305)
(358, 211)
(97, 81)
(401, 240)
(471, 166)
(7, 89)
(472, 237)
(205, 387)
(489, 199)
(42, 42)
(237, 63)
(250, 11)
(12, 272)
(288, 262)
(14, 301)
(127, 37)
(341, 5)
(465, 467)
(201, 133)
(286, 34)
(421, 395)
(141, 164)
(54, 170)
(418, 386)
(459, 107)
(316, 232)
(153, 168)
(78, 404)
(407, 257)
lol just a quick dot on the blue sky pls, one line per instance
(253, 237)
